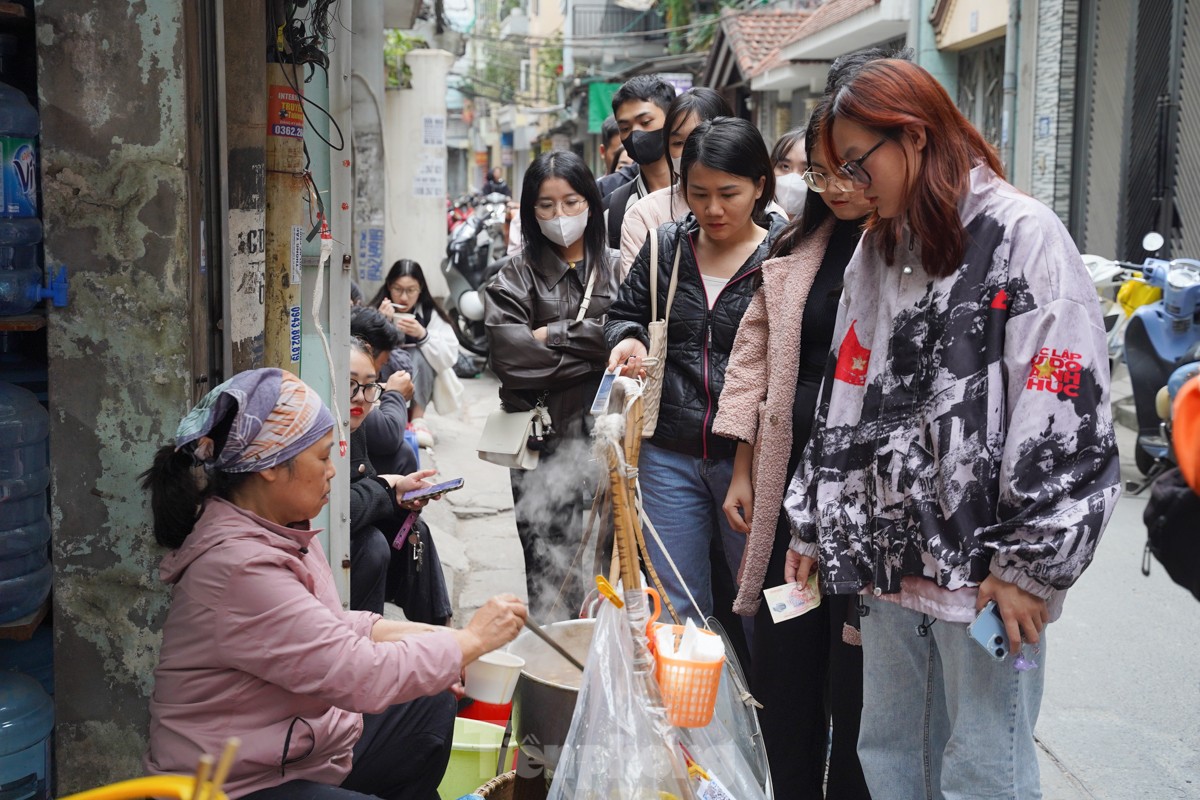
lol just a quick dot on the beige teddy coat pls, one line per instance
(760, 387)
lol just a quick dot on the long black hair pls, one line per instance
(570, 167)
(816, 210)
(407, 268)
(705, 103)
(784, 145)
(733, 145)
(178, 489)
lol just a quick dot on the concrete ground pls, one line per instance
(1121, 713)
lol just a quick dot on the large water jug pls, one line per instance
(26, 722)
(25, 570)
(19, 129)
(20, 274)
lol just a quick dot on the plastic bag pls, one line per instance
(620, 744)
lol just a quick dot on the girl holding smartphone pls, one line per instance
(963, 448)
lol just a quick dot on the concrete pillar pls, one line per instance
(416, 145)
(117, 162)
(368, 205)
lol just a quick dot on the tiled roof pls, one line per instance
(752, 35)
(824, 16)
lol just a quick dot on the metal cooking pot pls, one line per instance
(544, 701)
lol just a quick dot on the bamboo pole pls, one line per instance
(285, 218)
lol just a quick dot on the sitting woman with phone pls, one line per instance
(380, 516)
(428, 334)
(545, 326)
(329, 703)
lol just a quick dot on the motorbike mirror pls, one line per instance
(1152, 242)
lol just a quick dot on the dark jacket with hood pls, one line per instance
(698, 339)
(566, 368)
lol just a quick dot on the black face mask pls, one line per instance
(644, 147)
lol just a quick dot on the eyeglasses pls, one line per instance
(411, 291)
(571, 207)
(819, 182)
(854, 170)
(370, 391)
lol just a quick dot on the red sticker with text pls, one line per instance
(1055, 371)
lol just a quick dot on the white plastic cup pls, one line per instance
(399, 315)
(493, 677)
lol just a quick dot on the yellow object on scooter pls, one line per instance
(1136, 292)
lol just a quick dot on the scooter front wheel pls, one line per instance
(470, 334)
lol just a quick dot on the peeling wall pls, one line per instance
(115, 121)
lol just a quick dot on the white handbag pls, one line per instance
(655, 362)
(506, 434)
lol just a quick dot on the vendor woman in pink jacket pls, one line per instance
(328, 703)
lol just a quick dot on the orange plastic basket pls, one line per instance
(689, 688)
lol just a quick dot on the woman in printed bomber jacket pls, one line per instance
(256, 643)
(542, 353)
(726, 177)
(963, 450)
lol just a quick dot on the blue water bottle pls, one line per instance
(25, 569)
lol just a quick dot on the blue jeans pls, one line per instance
(682, 496)
(942, 720)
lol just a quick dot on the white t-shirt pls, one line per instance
(713, 288)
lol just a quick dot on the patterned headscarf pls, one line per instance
(255, 420)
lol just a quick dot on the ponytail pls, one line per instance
(178, 491)
(175, 495)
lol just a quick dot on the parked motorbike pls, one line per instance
(474, 254)
(458, 211)
(1159, 338)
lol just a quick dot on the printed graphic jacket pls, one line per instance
(964, 424)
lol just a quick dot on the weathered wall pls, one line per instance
(114, 158)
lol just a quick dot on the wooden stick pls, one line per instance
(203, 770)
(222, 772)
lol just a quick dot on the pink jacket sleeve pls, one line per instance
(271, 626)
(745, 376)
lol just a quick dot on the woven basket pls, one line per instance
(499, 787)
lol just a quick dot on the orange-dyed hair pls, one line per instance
(896, 98)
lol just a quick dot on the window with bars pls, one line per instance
(981, 87)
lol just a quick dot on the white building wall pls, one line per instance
(1053, 104)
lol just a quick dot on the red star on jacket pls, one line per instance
(853, 360)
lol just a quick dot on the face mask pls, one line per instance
(644, 147)
(564, 231)
(790, 192)
(676, 163)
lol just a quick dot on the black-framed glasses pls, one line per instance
(819, 182)
(370, 391)
(854, 170)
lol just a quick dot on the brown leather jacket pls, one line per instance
(567, 367)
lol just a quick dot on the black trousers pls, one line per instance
(800, 670)
(370, 553)
(402, 755)
(549, 504)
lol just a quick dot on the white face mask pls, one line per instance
(675, 164)
(790, 192)
(564, 231)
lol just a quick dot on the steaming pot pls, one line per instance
(544, 701)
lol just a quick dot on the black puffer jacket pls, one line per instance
(698, 340)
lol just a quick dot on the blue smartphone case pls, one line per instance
(988, 631)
